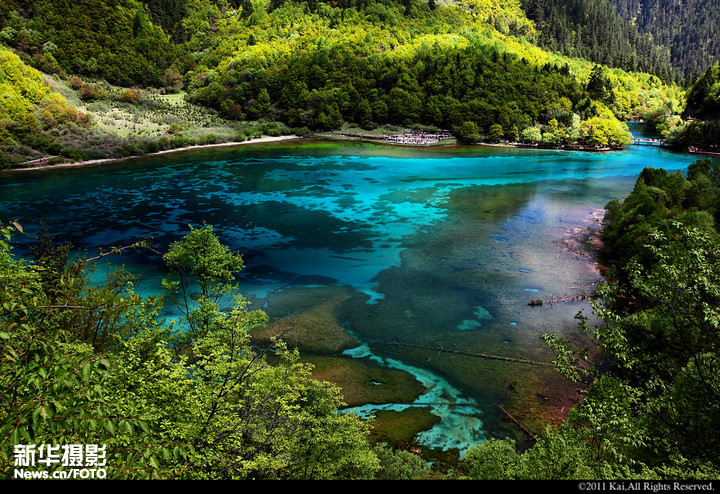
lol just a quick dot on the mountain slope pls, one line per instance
(314, 66)
(114, 39)
(593, 30)
(688, 28)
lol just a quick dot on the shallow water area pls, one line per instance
(437, 251)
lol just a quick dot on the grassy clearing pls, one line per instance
(129, 122)
(153, 114)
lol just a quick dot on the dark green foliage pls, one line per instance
(658, 198)
(591, 29)
(113, 40)
(468, 133)
(168, 14)
(598, 86)
(703, 98)
(696, 134)
(688, 29)
(698, 129)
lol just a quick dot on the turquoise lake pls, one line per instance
(429, 247)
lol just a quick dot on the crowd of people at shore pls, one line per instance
(408, 137)
(713, 149)
(647, 140)
(418, 138)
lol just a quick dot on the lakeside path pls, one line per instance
(270, 139)
(76, 164)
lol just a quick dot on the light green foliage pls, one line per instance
(562, 453)
(494, 459)
(201, 256)
(216, 408)
(600, 131)
(29, 108)
(234, 414)
(532, 134)
(52, 385)
(204, 272)
(399, 464)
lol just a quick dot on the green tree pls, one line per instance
(237, 414)
(54, 388)
(203, 274)
(217, 408)
(494, 459)
(468, 133)
(532, 134)
(496, 133)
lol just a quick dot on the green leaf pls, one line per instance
(86, 371)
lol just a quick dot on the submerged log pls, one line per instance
(518, 423)
(473, 354)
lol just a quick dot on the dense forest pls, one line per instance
(673, 40)
(687, 29)
(593, 30)
(92, 363)
(467, 67)
(697, 128)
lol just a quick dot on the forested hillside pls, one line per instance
(114, 40)
(697, 127)
(593, 30)
(687, 28)
(467, 66)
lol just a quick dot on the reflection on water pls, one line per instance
(440, 247)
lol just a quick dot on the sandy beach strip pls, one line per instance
(266, 139)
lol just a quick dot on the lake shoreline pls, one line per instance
(104, 161)
(420, 143)
(273, 139)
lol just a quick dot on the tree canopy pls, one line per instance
(164, 403)
(316, 66)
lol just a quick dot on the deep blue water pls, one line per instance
(431, 247)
